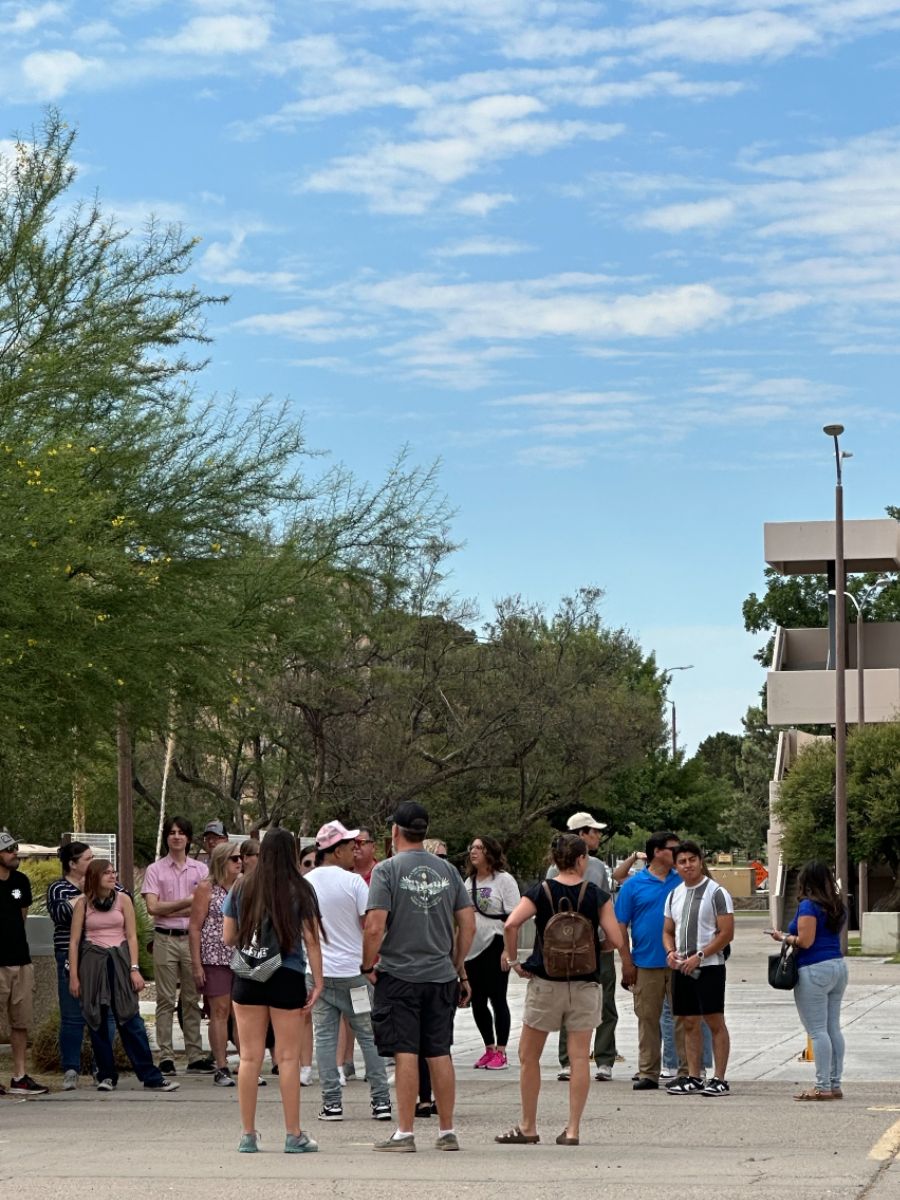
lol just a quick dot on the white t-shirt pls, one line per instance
(343, 897)
(696, 911)
(499, 893)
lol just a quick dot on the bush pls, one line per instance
(41, 872)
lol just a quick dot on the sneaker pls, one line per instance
(564, 1075)
(381, 1110)
(274, 1068)
(223, 1078)
(392, 1145)
(447, 1141)
(604, 1074)
(645, 1084)
(668, 1073)
(167, 1085)
(70, 1081)
(249, 1143)
(349, 1071)
(687, 1085)
(106, 1085)
(260, 1082)
(299, 1143)
(498, 1062)
(167, 1066)
(331, 1112)
(484, 1060)
(342, 1077)
(201, 1066)
(306, 1076)
(26, 1086)
(717, 1087)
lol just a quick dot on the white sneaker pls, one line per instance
(70, 1081)
(342, 1077)
(306, 1076)
(667, 1073)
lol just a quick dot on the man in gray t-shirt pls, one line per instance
(419, 927)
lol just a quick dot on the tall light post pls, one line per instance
(668, 671)
(841, 865)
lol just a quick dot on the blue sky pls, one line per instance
(615, 265)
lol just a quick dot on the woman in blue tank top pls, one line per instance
(821, 975)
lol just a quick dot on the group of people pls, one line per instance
(282, 944)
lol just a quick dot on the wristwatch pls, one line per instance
(700, 955)
(135, 967)
(512, 962)
(364, 970)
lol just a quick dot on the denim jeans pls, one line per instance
(71, 1019)
(333, 1004)
(818, 994)
(667, 1029)
(133, 1033)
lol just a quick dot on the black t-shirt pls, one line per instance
(594, 899)
(15, 894)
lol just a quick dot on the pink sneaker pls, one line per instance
(484, 1060)
(498, 1062)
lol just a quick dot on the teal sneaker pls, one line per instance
(249, 1143)
(300, 1143)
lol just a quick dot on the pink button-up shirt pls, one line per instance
(169, 881)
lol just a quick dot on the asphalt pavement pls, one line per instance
(755, 1143)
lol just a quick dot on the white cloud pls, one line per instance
(481, 247)
(302, 325)
(559, 458)
(700, 214)
(213, 36)
(26, 18)
(556, 401)
(94, 33)
(480, 204)
(49, 74)
(220, 263)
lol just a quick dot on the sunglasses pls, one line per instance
(307, 862)
(364, 842)
(234, 858)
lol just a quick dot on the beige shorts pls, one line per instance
(16, 993)
(550, 1004)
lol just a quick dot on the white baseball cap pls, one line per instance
(583, 820)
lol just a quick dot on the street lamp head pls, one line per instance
(833, 430)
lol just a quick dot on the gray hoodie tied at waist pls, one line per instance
(93, 975)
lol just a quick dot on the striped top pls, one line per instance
(696, 911)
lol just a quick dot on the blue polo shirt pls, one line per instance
(640, 904)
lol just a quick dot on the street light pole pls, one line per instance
(841, 863)
(668, 671)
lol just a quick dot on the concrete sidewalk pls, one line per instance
(757, 1142)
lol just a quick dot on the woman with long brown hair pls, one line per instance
(273, 907)
(494, 894)
(104, 975)
(821, 974)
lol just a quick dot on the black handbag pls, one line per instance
(261, 959)
(783, 968)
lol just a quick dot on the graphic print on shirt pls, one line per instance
(425, 886)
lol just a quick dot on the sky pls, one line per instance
(615, 265)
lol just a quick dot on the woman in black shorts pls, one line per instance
(278, 894)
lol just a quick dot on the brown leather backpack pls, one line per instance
(569, 942)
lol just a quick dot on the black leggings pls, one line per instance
(488, 983)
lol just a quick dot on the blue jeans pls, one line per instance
(133, 1033)
(667, 1029)
(71, 1019)
(333, 1004)
(818, 994)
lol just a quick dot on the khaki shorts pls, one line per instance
(550, 1004)
(16, 992)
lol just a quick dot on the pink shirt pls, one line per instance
(168, 881)
(105, 928)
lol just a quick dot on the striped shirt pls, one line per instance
(696, 911)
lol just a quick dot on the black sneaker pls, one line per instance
(687, 1085)
(717, 1087)
(381, 1111)
(331, 1112)
(223, 1078)
(26, 1086)
(645, 1084)
(201, 1066)
(167, 1066)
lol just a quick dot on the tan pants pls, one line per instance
(652, 986)
(171, 970)
(16, 995)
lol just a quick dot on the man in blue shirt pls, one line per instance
(640, 907)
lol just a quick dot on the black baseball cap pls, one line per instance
(411, 816)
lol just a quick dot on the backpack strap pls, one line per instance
(546, 887)
(581, 895)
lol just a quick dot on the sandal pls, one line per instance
(515, 1137)
(816, 1094)
(565, 1140)
(425, 1109)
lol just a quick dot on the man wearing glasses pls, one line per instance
(16, 971)
(364, 859)
(640, 911)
